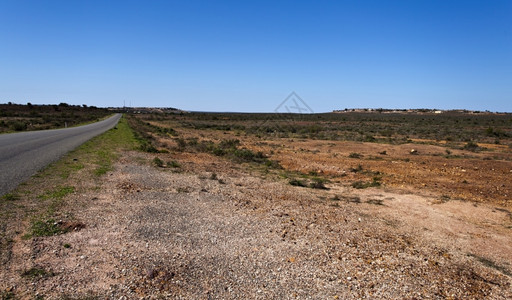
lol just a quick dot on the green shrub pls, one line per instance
(355, 155)
(369, 138)
(219, 151)
(296, 182)
(229, 144)
(182, 144)
(273, 164)
(356, 170)
(36, 272)
(174, 164)
(318, 183)
(148, 147)
(363, 185)
(19, 126)
(247, 155)
(471, 146)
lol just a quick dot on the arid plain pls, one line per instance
(327, 206)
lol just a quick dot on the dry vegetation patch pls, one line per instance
(15, 117)
(456, 155)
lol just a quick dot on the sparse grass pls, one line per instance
(365, 184)
(70, 167)
(355, 155)
(42, 201)
(104, 162)
(358, 169)
(56, 197)
(158, 162)
(48, 227)
(318, 183)
(228, 148)
(58, 193)
(314, 183)
(182, 144)
(390, 128)
(37, 273)
(472, 146)
(10, 197)
(142, 134)
(87, 162)
(173, 164)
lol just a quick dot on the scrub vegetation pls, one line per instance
(16, 117)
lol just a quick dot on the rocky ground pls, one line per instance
(210, 229)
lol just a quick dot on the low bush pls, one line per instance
(363, 185)
(18, 126)
(318, 183)
(356, 170)
(472, 146)
(148, 147)
(296, 182)
(174, 164)
(36, 272)
(355, 155)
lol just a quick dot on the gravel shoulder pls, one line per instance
(157, 233)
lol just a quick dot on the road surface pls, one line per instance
(23, 154)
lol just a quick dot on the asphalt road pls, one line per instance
(23, 154)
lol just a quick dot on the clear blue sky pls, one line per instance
(248, 56)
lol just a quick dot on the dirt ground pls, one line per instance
(438, 226)
(212, 230)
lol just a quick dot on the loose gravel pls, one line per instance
(152, 233)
